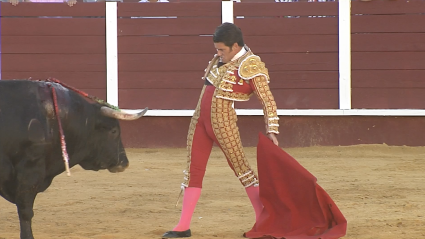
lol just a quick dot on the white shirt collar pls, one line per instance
(239, 54)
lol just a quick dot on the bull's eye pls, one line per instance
(113, 133)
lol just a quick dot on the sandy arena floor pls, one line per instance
(379, 189)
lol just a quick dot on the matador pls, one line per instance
(234, 74)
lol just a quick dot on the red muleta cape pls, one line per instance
(295, 206)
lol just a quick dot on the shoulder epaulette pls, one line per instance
(251, 67)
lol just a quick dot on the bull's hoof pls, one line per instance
(175, 234)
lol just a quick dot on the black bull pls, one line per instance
(30, 143)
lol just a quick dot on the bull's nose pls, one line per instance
(120, 167)
(124, 164)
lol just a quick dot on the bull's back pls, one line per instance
(21, 102)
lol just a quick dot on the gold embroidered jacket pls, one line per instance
(237, 80)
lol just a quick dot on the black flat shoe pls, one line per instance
(175, 234)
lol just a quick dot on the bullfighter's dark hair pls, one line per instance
(229, 34)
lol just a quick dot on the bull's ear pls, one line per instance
(106, 111)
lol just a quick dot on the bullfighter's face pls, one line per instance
(226, 53)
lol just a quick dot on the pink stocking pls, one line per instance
(254, 196)
(190, 198)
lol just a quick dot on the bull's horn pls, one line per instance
(106, 111)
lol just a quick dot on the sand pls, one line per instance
(380, 190)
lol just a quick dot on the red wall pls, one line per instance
(161, 61)
(71, 48)
(295, 131)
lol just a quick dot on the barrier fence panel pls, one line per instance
(299, 44)
(163, 50)
(388, 55)
(54, 40)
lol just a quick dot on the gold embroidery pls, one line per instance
(269, 105)
(251, 67)
(223, 116)
(190, 134)
(226, 131)
(229, 78)
(235, 96)
(216, 74)
(224, 77)
(225, 86)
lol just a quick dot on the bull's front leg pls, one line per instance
(7, 178)
(30, 175)
(25, 204)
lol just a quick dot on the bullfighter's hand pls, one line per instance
(14, 2)
(273, 138)
(71, 2)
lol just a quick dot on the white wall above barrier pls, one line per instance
(344, 53)
(111, 53)
(227, 11)
(303, 112)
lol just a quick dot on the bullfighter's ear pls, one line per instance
(35, 131)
